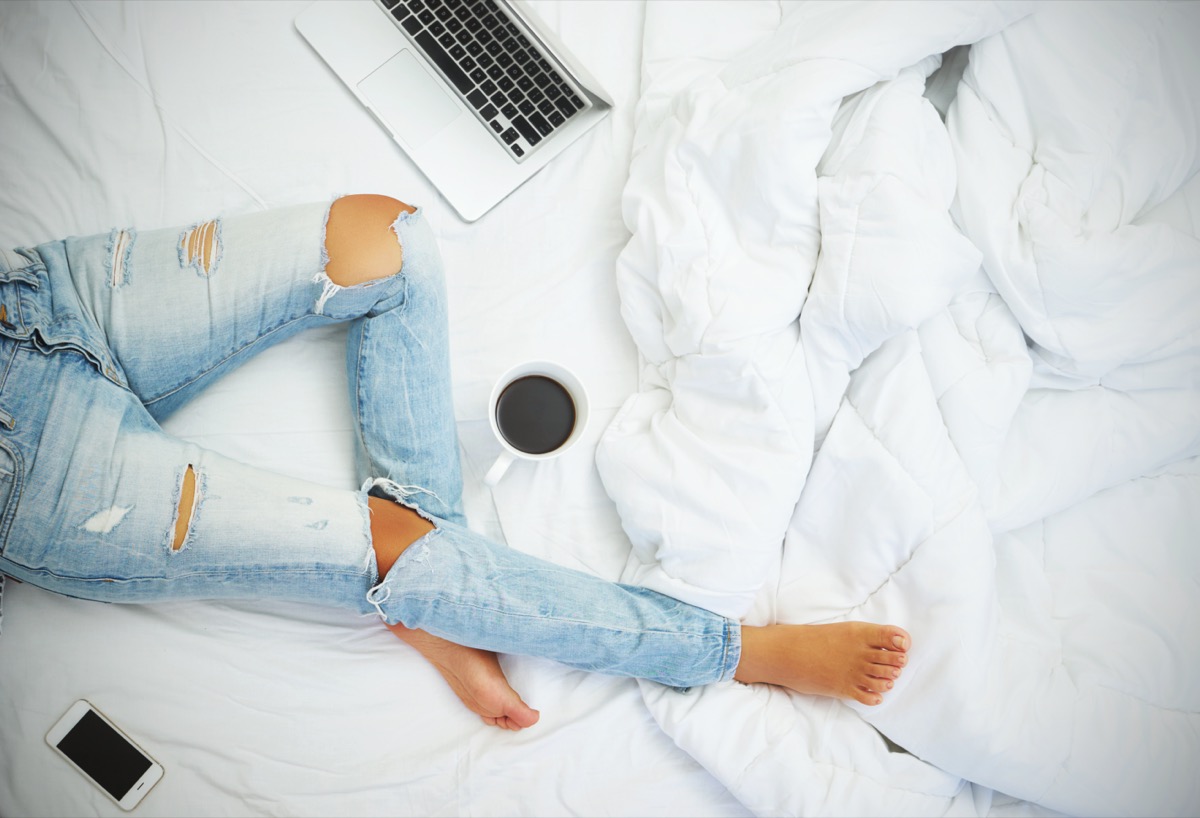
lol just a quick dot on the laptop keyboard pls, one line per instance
(494, 66)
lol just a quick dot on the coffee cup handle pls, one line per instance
(498, 469)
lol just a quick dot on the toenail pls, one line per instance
(899, 642)
(889, 685)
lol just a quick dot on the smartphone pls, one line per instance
(98, 749)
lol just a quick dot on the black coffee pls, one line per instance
(535, 414)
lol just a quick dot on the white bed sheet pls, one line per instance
(157, 114)
(985, 428)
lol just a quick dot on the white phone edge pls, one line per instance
(140, 788)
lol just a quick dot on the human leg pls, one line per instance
(166, 312)
(460, 586)
(96, 507)
(199, 524)
(809, 659)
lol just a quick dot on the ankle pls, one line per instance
(754, 663)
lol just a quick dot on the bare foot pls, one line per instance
(475, 677)
(846, 660)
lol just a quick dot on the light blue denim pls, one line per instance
(104, 336)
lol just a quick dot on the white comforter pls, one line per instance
(941, 374)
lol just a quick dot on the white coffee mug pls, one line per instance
(534, 415)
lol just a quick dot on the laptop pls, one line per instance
(479, 93)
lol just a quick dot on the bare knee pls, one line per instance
(359, 239)
(393, 529)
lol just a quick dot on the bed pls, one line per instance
(886, 311)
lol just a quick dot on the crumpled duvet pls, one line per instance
(941, 372)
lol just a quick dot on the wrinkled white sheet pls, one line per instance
(942, 375)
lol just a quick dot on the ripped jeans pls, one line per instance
(101, 337)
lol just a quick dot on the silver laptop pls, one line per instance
(478, 93)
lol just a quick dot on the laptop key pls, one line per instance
(539, 122)
(488, 111)
(509, 110)
(478, 100)
(556, 118)
(480, 76)
(412, 25)
(528, 131)
(496, 126)
(517, 150)
(510, 136)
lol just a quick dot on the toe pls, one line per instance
(890, 637)
(888, 658)
(867, 697)
(884, 670)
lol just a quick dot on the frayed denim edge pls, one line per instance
(114, 266)
(380, 591)
(328, 288)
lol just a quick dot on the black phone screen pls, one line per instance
(104, 754)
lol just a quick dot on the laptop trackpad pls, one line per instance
(409, 99)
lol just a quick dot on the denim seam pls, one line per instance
(176, 575)
(544, 618)
(727, 672)
(227, 358)
(12, 356)
(18, 492)
(356, 408)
